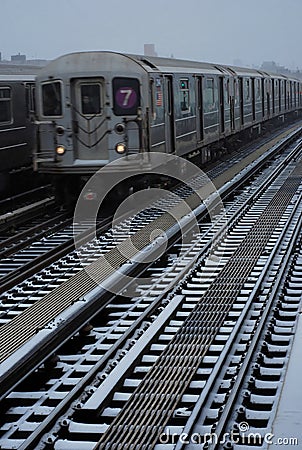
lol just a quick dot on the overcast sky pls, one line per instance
(220, 31)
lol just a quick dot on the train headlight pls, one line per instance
(60, 150)
(120, 148)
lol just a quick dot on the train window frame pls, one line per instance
(247, 89)
(91, 102)
(152, 97)
(210, 86)
(228, 92)
(10, 103)
(276, 87)
(184, 95)
(132, 86)
(258, 88)
(157, 99)
(60, 112)
(30, 99)
(236, 92)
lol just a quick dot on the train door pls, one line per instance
(253, 99)
(199, 110)
(268, 97)
(221, 104)
(236, 105)
(263, 96)
(273, 96)
(89, 124)
(169, 115)
(228, 126)
(241, 101)
(232, 108)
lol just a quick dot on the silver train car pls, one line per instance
(17, 130)
(94, 107)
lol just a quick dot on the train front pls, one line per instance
(90, 112)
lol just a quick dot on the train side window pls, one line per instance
(52, 99)
(184, 95)
(236, 92)
(30, 100)
(5, 105)
(126, 96)
(91, 94)
(152, 95)
(258, 88)
(227, 92)
(247, 89)
(157, 103)
(209, 98)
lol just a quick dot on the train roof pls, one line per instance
(87, 63)
(181, 65)
(83, 64)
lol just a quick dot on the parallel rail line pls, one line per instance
(151, 405)
(202, 319)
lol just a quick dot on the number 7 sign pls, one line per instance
(125, 97)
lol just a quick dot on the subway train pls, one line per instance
(17, 128)
(94, 107)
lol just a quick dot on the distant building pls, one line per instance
(271, 66)
(19, 59)
(19, 64)
(149, 50)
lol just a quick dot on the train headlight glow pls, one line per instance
(60, 150)
(120, 148)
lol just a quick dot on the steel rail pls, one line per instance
(200, 404)
(158, 384)
(43, 311)
(213, 318)
(25, 445)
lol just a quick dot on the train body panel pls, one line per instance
(16, 126)
(106, 105)
(17, 129)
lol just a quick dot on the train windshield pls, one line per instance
(126, 96)
(91, 98)
(52, 99)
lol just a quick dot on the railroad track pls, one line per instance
(11, 244)
(148, 410)
(32, 246)
(147, 324)
(42, 245)
(16, 211)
